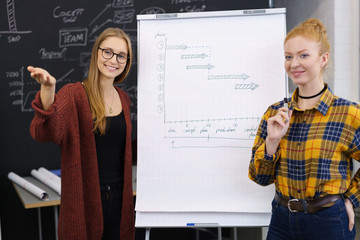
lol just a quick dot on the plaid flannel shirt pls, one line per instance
(315, 157)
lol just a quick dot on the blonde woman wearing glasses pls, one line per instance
(90, 121)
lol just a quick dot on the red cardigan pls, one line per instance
(69, 124)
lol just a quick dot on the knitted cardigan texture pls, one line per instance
(69, 124)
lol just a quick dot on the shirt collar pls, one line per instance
(322, 105)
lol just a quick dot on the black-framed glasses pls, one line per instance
(108, 54)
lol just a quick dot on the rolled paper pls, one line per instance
(38, 192)
(46, 180)
(51, 175)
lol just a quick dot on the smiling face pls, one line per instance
(303, 63)
(111, 68)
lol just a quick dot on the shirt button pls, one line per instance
(298, 144)
(299, 191)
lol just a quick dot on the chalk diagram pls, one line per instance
(193, 121)
(13, 29)
(23, 88)
(20, 86)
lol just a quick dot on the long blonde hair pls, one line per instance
(92, 83)
(314, 29)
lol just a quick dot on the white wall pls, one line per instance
(341, 18)
(346, 51)
(298, 11)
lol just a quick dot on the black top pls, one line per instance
(110, 150)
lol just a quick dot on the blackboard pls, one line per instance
(58, 36)
(204, 82)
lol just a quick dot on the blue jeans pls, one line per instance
(331, 223)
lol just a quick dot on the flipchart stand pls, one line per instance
(147, 233)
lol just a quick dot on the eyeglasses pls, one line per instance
(108, 54)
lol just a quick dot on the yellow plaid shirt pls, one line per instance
(314, 158)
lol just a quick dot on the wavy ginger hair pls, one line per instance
(314, 29)
(92, 83)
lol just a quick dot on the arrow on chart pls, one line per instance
(229, 76)
(251, 86)
(177, 47)
(209, 66)
(187, 56)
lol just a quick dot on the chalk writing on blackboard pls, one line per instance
(72, 46)
(46, 54)
(124, 16)
(16, 84)
(193, 5)
(63, 78)
(123, 3)
(68, 16)
(73, 37)
(153, 10)
(13, 32)
(103, 11)
(22, 87)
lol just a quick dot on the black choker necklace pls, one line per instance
(315, 94)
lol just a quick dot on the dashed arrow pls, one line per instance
(187, 56)
(228, 76)
(209, 66)
(177, 47)
(251, 86)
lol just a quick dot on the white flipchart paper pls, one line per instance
(203, 86)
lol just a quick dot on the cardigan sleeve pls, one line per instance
(48, 126)
(127, 99)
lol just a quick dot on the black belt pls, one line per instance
(309, 206)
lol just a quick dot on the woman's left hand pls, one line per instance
(350, 212)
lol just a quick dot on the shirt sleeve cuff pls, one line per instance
(352, 197)
(272, 157)
(261, 154)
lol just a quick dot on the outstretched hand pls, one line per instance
(41, 76)
(47, 91)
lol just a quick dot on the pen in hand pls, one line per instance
(286, 105)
